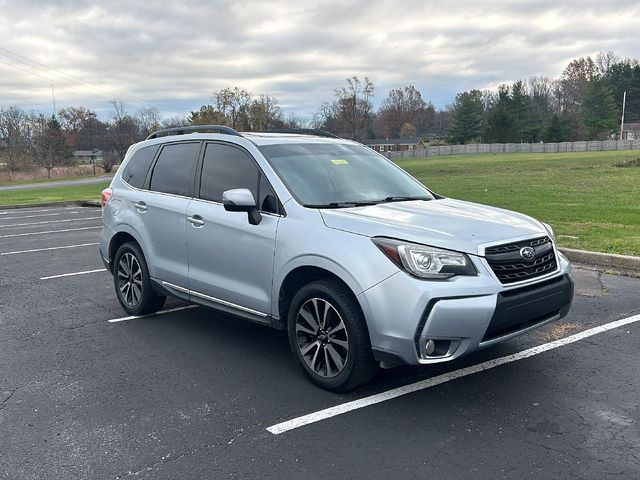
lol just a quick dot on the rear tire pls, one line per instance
(132, 281)
(328, 336)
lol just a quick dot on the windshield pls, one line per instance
(338, 175)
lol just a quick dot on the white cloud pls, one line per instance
(174, 54)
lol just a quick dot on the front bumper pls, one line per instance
(459, 316)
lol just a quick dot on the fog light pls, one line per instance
(439, 348)
(431, 347)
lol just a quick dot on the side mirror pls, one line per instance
(241, 200)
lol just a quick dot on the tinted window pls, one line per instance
(267, 200)
(225, 168)
(172, 172)
(136, 170)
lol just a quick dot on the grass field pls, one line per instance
(591, 203)
(46, 180)
(55, 194)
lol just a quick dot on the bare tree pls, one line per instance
(604, 62)
(123, 131)
(15, 131)
(264, 113)
(49, 147)
(173, 122)
(351, 112)
(83, 130)
(233, 103)
(207, 115)
(405, 106)
(148, 120)
(293, 120)
(355, 107)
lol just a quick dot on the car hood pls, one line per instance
(445, 223)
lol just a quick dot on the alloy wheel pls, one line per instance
(322, 337)
(130, 279)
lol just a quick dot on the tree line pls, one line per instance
(584, 103)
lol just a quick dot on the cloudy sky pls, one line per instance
(172, 55)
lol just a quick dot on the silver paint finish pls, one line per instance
(219, 258)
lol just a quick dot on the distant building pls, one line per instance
(631, 131)
(393, 144)
(86, 156)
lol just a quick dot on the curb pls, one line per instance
(74, 203)
(624, 264)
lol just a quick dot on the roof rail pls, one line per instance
(303, 131)
(194, 129)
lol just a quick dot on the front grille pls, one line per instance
(509, 265)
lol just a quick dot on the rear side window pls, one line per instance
(225, 168)
(173, 169)
(136, 170)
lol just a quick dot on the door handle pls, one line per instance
(196, 220)
(140, 206)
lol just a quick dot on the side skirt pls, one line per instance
(182, 293)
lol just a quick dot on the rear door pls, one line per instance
(230, 260)
(164, 206)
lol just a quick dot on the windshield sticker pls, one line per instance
(339, 161)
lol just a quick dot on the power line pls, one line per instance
(21, 102)
(41, 67)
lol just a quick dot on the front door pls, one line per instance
(230, 260)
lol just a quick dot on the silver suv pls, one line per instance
(322, 237)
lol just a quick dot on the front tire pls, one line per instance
(328, 336)
(133, 283)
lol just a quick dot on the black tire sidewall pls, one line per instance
(148, 296)
(350, 313)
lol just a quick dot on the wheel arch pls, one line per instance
(306, 272)
(120, 238)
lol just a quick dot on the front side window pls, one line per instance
(335, 175)
(225, 168)
(173, 170)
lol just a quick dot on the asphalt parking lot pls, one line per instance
(195, 394)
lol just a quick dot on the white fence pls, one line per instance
(593, 146)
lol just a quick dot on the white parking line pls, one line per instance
(28, 210)
(73, 274)
(48, 248)
(49, 221)
(134, 317)
(38, 215)
(440, 379)
(48, 231)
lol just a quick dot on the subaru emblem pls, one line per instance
(527, 253)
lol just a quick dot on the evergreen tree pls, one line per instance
(599, 112)
(466, 117)
(558, 130)
(500, 123)
(521, 113)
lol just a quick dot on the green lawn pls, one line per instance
(591, 203)
(55, 194)
(45, 180)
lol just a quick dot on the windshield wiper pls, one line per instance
(403, 199)
(361, 203)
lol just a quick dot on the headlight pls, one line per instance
(425, 262)
(549, 230)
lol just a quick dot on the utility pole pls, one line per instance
(53, 97)
(624, 104)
